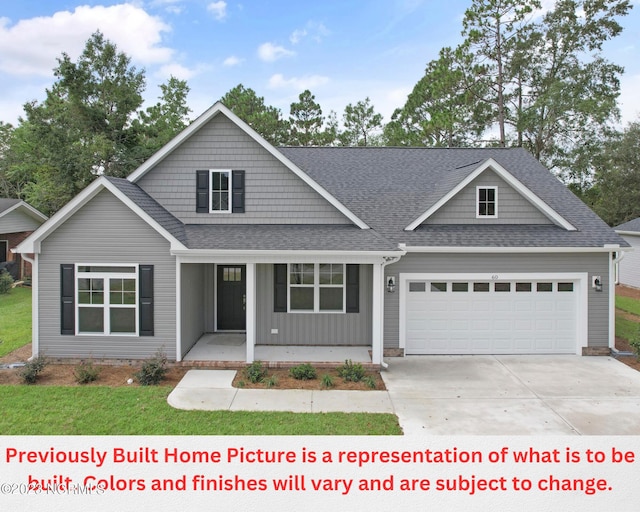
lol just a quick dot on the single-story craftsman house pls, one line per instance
(17, 221)
(399, 250)
(629, 266)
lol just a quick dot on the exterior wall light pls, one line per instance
(391, 284)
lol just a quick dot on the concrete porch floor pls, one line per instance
(231, 348)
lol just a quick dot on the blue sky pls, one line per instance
(341, 50)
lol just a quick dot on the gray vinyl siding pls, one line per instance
(273, 194)
(629, 267)
(106, 231)
(593, 264)
(192, 305)
(17, 222)
(512, 207)
(312, 328)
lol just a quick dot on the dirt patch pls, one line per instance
(283, 380)
(626, 291)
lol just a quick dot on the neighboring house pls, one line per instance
(629, 266)
(401, 250)
(17, 221)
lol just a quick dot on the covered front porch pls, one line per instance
(230, 350)
(256, 292)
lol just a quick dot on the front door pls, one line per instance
(232, 297)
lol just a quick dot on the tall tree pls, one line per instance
(266, 120)
(615, 195)
(83, 127)
(441, 110)
(306, 121)
(361, 123)
(492, 29)
(159, 123)
(568, 95)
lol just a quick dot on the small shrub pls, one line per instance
(635, 344)
(153, 370)
(303, 372)
(351, 372)
(327, 381)
(272, 381)
(86, 372)
(241, 384)
(370, 382)
(32, 369)
(6, 282)
(255, 372)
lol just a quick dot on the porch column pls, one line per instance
(378, 313)
(178, 309)
(251, 310)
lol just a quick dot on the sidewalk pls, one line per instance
(210, 390)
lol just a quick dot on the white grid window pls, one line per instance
(316, 287)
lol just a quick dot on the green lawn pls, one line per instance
(628, 304)
(58, 410)
(15, 320)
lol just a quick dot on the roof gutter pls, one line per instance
(475, 249)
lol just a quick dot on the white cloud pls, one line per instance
(278, 81)
(172, 6)
(219, 9)
(232, 61)
(314, 30)
(629, 98)
(269, 52)
(31, 46)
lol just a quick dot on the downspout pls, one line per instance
(388, 260)
(617, 259)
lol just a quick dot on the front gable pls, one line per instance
(186, 174)
(20, 218)
(490, 195)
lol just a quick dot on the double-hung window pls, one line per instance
(487, 202)
(107, 299)
(317, 287)
(220, 196)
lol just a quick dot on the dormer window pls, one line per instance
(487, 202)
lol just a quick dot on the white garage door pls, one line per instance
(497, 317)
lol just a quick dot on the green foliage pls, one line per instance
(303, 372)
(635, 344)
(153, 370)
(272, 382)
(351, 372)
(327, 381)
(370, 382)
(306, 121)
(6, 282)
(86, 372)
(32, 369)
(361, 123)
(250, 107)
(628, 304)
(255, 372)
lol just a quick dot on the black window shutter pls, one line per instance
(146, 300)
(202, 191)
(67, 299)
(280, 288)
(353, 288)
(237, 191)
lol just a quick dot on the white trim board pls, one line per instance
(580, 279)
(490, 163)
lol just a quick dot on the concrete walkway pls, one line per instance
(459, 395)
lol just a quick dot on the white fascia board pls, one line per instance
(219, 108)
(30, 211)
(32, 243)
(628, 233)
(454, 249)
(490, 163)
(263, 256)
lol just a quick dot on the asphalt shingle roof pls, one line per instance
(631, 226)
(6, 203)
(388, 188)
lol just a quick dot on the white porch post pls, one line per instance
(376, 331)
(251, 310)
(178, 309)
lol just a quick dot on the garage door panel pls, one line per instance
(477, 319)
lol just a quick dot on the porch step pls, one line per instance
(238, 365)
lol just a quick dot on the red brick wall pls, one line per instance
(14, 239)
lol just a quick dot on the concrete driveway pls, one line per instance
(514, 395)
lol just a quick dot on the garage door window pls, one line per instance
(544, 287)
(502, 287)
(480, 287)
(565, 287)
(438, 287)
(523, 287)
(460, 287)
(417, 287)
